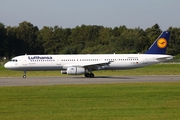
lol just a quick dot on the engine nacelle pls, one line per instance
(73, 71)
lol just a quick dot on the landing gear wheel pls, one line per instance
(86, 74)
(24, 76)
(91, 75)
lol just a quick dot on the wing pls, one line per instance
(97, 65)
(91, 65)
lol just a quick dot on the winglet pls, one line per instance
(160, 45)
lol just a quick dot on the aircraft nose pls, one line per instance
(7, 65)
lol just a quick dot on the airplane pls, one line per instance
(87, 63)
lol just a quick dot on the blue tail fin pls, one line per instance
(160, 45)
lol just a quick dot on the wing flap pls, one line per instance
(93, 65)
(97, 65)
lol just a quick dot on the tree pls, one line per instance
(174, 43)
(12, 44)
(2, 39)
(27, 36)
(142, 42)
(87, 39)
(153, 32)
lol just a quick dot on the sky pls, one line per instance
(107, 13)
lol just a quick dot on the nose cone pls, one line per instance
(7, 65)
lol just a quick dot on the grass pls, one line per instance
(158, 69)
(122, 101)
(125, 101)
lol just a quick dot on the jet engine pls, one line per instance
(73, 71)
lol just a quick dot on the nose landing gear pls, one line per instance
(24, 75)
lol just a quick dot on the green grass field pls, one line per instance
(121, 101)
(158, 69)
(124, 101)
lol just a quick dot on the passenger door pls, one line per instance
(24, 61)
(58, 61)
(145, 60)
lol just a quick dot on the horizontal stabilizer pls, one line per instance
(162, 59)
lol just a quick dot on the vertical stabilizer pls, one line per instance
(160, 45)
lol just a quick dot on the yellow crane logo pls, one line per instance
(162, 43)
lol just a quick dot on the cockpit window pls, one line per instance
(14, 60)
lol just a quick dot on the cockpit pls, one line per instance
(11, 64)
(13, 60)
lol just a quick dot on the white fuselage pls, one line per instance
(62, 62)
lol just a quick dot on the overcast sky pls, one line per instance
(108, 13)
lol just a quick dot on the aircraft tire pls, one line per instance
(86, 74)
(91, 75)
(24, 76)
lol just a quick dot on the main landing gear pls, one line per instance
(91, 75)
(24, 75)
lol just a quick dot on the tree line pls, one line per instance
(85, 39)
